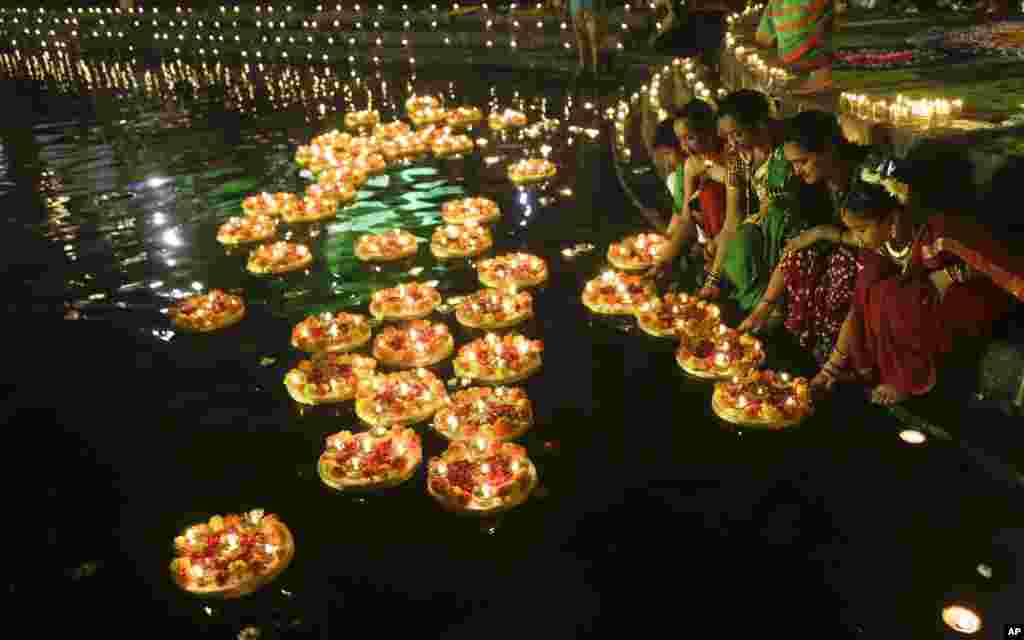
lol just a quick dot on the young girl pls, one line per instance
(929, 280)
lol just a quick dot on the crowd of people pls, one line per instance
(862, 257)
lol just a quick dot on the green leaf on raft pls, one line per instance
(242, 185)
(410, 175)
(422, 186)
(379, 182)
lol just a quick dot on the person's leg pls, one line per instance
(593, 37)
(743, 268)
(579, 28)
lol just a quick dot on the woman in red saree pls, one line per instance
(925, 285)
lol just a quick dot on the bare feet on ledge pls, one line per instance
(830, 374)
(887, 395)
(819, 81)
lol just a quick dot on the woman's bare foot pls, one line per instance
(818, 82)
(822, 382)
(887, 395)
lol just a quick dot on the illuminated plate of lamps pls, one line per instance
(474, 510)
(251, 585)
(795, 388)
(694, 365)
(363, 484)
(226, 319)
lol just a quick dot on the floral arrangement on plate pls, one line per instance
(460, 240)
(499, 359)
(461, 117)
(271, 204)
(391, 130)
(393, 244)
(451, 144)
(497, 413)
(376, 459)
(368, 118)
(233, 555)
(765, 399)
(720, 354)
(531, 170)
(494, 309)
(312, 209)
(507, 119)
(257, 227)
(410, 301)
(636, 253)
(279, 257)
(888, 58)
(399, 399)
(615, 293)
(481, 477)
(414, 343)
(340, 193)
(665, 317)
(205, 312)
(467, 210)
(341, 173)
(512, 271)
(328, 378)
(331, 332)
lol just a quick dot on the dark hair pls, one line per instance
(869, 201)
(814, 131)
(665, 135)
(940, 179)
(750, 109)
(699, 116)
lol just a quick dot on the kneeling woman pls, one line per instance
(698, 188)
(924, 285)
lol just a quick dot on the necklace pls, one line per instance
(903, 256)
(898, 256)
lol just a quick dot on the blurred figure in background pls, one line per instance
(801, 31)
(590, 24)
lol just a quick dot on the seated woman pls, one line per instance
(764, 205)
(928, 282)
(699, 194)
(819, 269)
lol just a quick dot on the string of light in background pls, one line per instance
(93, 26)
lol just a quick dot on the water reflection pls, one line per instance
(107, 203)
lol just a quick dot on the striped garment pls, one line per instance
(802, 30)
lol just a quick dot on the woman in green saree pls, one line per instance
(765, 205)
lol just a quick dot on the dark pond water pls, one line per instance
(650, 511)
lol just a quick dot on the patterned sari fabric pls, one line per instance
(802, 31)
(819, 289)
(819, 284)
(901, 326)
(776, 216)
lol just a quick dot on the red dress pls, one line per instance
(711, 196)
(900, 326)
(819, 290)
